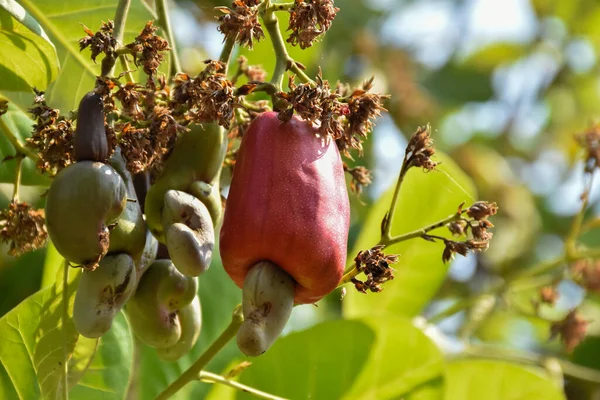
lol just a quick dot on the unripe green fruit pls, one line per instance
(190, 319)
(152, 311)
(267, 302)
(196, 159)
(190, 236)
(90, 142)
(102, 293)
(129, 233)
(82, 200)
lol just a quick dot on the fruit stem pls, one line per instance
(108, 63)
(420, 232)
(194, 370)
(226, 52)
(283, 60)
(209, 377)
(281, 6)
(387, 225)
(162, 11)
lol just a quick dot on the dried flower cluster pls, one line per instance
(477, 226)
(23, 228)
(590, 141)
(52, 136)
(149, 49)
(420, 150)
(376, 267)
(343, 115)
(587, 274)
(571, 330)
(548, 295)
(361, 177)
(310, 19)
(209, 97)
(102, 41)
(240, 22)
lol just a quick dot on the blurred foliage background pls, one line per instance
(505, 85)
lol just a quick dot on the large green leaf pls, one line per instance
(403, 362)
(497, 380)
(424, 199)
(107, 376)
(219, 296)
(321, 362)
(27, 58)
(35, 340)
(62, 21)
(350, 359)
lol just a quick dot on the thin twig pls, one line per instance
(162, 11)
(209, 377)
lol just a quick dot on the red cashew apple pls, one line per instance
(287, 204)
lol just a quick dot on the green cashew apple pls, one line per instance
(190, 235)
(101, 294)
(152, 311)
(267, 302)
(194, 166)
(82, 201)
(190, 319)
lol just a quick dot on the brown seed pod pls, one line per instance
(90, 142)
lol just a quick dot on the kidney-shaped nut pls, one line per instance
(102, 293)
(197, 157)
(90, 142)
(152, 311)
(267, 302)
(82, 200)
(190, 235)
(190, 319)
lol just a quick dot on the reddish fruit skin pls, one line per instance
(287, 204)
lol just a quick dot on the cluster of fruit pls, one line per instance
(283, 237)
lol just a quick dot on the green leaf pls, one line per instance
(107, 377)
(219, 296)
(497, 380)
(403, 361)
(26, 59)
(35, 342)
(321, 362)
(425, 198)
(351, 359)
(62, 21)
(52, 263)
